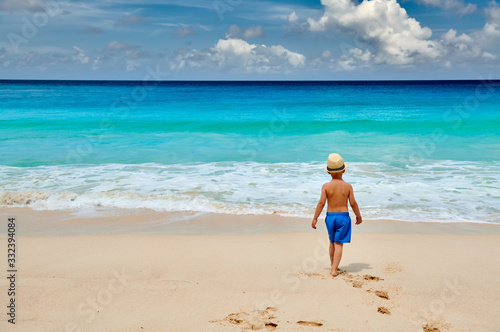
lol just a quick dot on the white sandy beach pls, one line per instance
(121, 281)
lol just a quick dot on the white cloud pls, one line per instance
(293, 18)
(458, 6)
(389, 36)
(30, 5)
(326, 54)
(354, 59)
(238, 55)
(234, 46)
(492, 27)
(396, 38)
(322, 62)
(80, 56)
(183, 25)
(360, 55)
(235, 31)
(253, 32)
(464, 46)
(96, 64)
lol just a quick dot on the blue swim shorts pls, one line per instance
(338, 225)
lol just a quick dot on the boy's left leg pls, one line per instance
(337, 256)
(332, 251)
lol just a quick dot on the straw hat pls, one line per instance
(335, 163)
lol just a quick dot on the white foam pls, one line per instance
(439, 191)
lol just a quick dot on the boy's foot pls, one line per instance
(334, 273)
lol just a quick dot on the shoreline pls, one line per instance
(145, 221)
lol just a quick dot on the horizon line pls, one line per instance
(239, 80)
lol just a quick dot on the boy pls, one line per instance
(338, 222)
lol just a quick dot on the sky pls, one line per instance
(249, 39)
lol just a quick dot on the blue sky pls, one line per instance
(246, 39)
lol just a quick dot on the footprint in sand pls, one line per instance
(436, 326)
(393, 267)
(253, 320)
(370, 277)
(381, 294)
(429, 328)
(358, 281)
(311, 275)
(357, 284)
(309, 323)
(383, 310)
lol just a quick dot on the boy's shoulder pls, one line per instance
(337, 183)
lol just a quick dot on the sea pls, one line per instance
(415, 150)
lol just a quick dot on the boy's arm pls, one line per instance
(354, 206)
(319, 208)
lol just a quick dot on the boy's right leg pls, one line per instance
(337, 256)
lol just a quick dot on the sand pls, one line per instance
(126, 280)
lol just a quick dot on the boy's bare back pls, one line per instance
(337, 194)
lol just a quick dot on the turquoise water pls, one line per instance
(415, 150)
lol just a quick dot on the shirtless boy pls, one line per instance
(338, 222)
